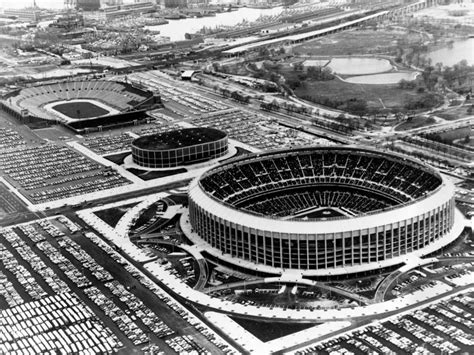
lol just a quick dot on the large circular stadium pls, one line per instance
(81, 104)
(320, 211)
(179, 147)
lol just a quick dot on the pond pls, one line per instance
(358, 66)
(462, 49)
(387, 78)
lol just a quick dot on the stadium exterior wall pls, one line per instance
(168, 158)
(314, 246)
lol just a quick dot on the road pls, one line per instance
(369, 320)
(30, 216)
(350, 295)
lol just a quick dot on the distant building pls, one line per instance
(112, 12)
(88, 5)
(281, 27)
(69, 21)
(174, 3)
(261, 4)
(27, 14)
(112, 2)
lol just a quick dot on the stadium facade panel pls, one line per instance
(180, 147)
(417, 209)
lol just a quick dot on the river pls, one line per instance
(176, 29)
(462, 49)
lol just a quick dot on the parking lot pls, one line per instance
(9, 203)
(443, 327)
(50, 172)
(121, 307)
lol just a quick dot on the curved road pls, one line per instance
(336, 290)
(202, 264)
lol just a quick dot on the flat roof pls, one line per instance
(180, 138)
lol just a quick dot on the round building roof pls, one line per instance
(181, 138)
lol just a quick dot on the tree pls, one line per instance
(298, 66)
(225, 92)
(356, 106)
(319, 73)
(406, 84)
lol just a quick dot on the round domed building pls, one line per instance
(320, 211)
(179, 147)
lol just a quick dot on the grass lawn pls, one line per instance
(111, 216)
(270, 331)
(452, 114)
(416, 122)
(390, 95)
(148, 214)
(143, 174)
(355, 42)
(150, 175)
(240, 151)
(117, 158)
(82, 109)
(454, 134)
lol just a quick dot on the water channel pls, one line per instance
(462, 49)
(176, 29)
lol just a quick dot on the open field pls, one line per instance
(416, 122)
(452, 114)
(81, 109)
(453, 135)
(377, 96)
(355, 42)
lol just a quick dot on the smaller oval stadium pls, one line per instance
(180, 147)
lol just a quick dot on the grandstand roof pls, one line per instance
(443, 194)
(179, 138)
(223, 194)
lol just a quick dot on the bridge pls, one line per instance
(302, 37)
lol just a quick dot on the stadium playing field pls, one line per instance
(81, 109)
(321, 213)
